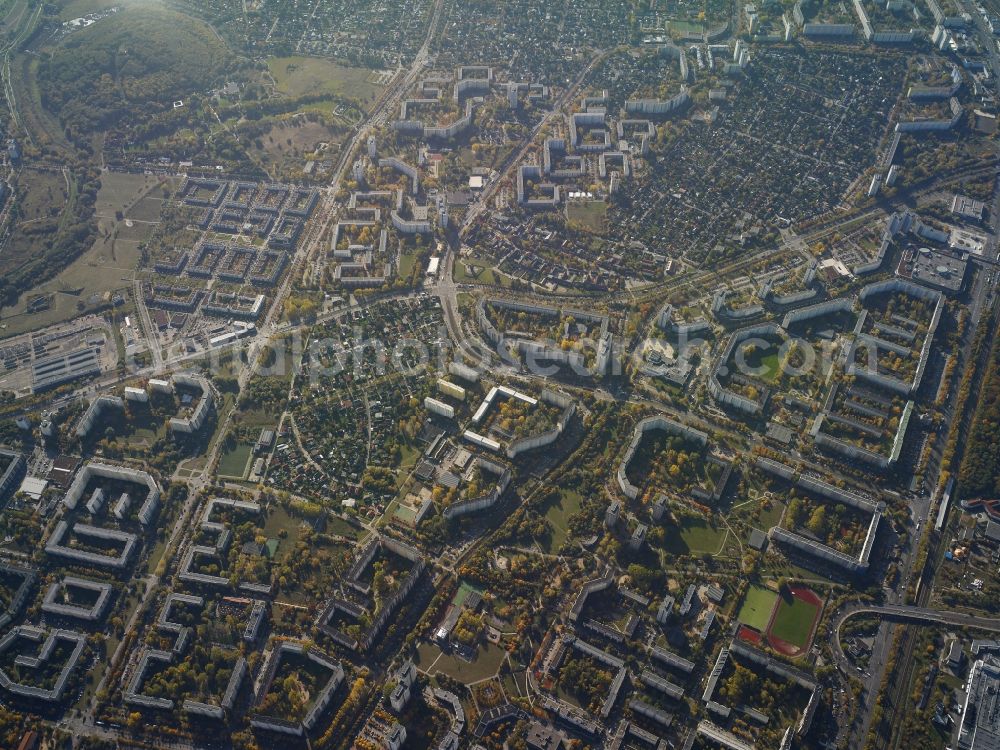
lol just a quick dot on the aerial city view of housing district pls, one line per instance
(499, 375)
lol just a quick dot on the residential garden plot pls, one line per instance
(290, 470)
(536, 42)
(360, 435)
(362, 345)
(765, 162)
(682, 18)
(380, 35)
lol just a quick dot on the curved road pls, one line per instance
(907, 614)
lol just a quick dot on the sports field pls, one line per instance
(757, 607)
(794, 621)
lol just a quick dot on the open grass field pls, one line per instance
(558, 514)
(514, 684)
(795, 618)
(757, 607)
(590, 216)
(279, 521)
(486, 663)
(694, 536)
(771, 516)
(340, 527)
(233, 463)
(764, 362)
(479, 271)
(309, 76)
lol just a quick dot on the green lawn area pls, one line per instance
(407, 261)
(757, 607)
(410, 455)
(510, 686)
(279, 520)
(694, 536)
(309, 76)
(257, 418)
(340, 527)
(771, 516)
(486, 664)
(474, 270)
(558, 513)
(770, 361)
(793, 621)
(233, 462)
(590, 216)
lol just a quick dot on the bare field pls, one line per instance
(292, 141)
